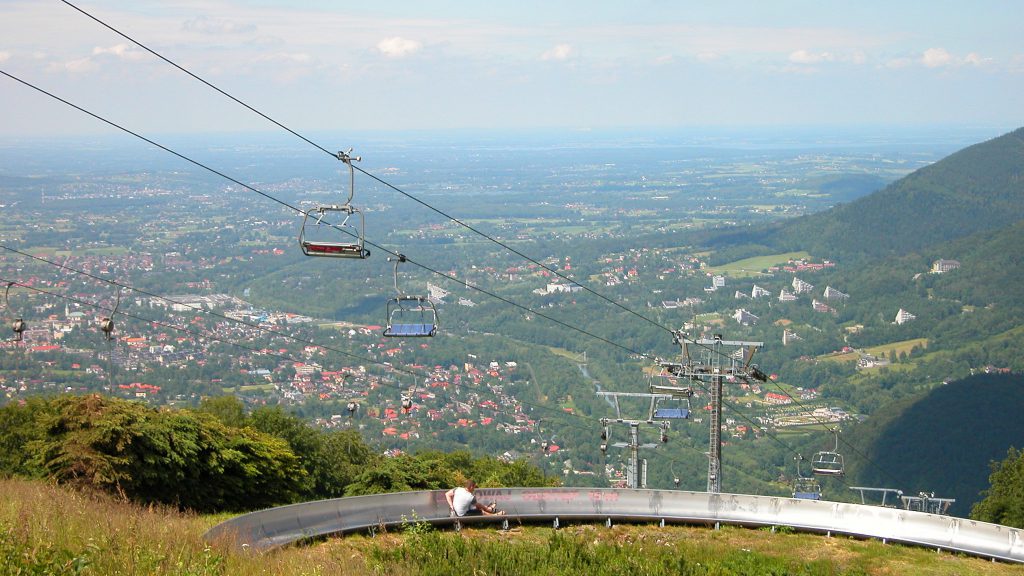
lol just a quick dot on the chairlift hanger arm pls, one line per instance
(18, 324)
(107, 323)
(348, 159)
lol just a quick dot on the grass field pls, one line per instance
(52, 530)
(882, 351)
(108, 251)
(754, 266)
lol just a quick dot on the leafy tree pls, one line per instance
(19, 427)
(400, 474)
(342, 456)
(1004, 500)
(176, 457)
(228, 409)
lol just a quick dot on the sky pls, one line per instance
(319, 65)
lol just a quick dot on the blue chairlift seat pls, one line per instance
(411, 317)
(672, 413)
(806, 489)
(410, 330)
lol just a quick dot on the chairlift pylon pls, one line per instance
(409, 316)
(313, 244)
(18, 324)
(829, 462)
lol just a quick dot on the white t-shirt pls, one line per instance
(462, 501)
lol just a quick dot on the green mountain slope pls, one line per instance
(943, 441)
(978, 188)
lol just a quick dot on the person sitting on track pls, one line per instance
(463, 502)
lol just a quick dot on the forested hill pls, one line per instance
(978, 188)
(944, 440)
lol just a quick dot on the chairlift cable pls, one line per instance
(423, 266)
(186, 71)
(256, 327)
(372, 176)
(283, 203)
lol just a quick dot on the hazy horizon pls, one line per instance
(571, 66)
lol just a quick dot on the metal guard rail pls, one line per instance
(284, 525)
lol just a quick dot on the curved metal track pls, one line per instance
(275, 527)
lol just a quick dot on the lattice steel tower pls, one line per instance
(713, 365)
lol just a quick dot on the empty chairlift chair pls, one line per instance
(334, 240)
(805, 488)
(409, 316)
(829, 462)
(677, 398)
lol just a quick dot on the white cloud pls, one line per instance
(287, 57)
(79, 66)
(558, 52)
(897, 63)
(708, 56)
(207, 25)
(664, 59)
(397, 47)
(5, 56)
(805, 57)
(936, 57)
(122, 51)
(975, 59)
(1017, 63)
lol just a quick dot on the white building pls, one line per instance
(745, 318)
(833, 294)
(902, 317)
(800, 287)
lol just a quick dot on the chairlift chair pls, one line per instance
(680, 408)
(409, 316)
(314, 244)
(804, 487)
(829, 462)
(18, 325)
(107, 322)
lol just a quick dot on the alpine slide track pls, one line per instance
(274, 527)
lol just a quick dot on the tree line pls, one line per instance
(217, 457)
